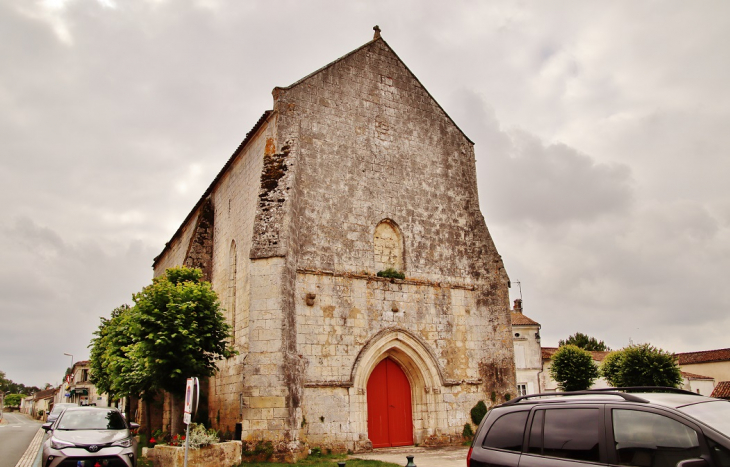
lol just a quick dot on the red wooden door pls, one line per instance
(390, 418)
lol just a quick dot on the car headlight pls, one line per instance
(60, 444)
(124, 443)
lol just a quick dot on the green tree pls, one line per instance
(584, 342)
(179, 332)
(641, 365)
(13, 400)
(174, 331)
(573, 368)
(5, 382)
(112, 367)
(9, 386)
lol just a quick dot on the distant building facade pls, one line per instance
(528, 353)
(78, 389)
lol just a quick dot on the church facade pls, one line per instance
(368, 302)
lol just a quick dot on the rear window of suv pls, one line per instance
(566, 433)
(507, 432)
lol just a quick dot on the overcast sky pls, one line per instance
(601, 128)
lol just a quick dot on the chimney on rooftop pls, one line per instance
(518, 305)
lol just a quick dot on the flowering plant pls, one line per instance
(177, 440)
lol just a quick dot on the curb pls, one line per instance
(32, 455)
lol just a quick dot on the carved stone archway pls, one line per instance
(421, 368)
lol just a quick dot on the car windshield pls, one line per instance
(715, 413)
(91, 420)
(58, 408)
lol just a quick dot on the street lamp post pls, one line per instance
(72, 369)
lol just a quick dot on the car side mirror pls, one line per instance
(133, 426)
(47, 426)
(693, 463)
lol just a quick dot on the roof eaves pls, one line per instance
(703, 356)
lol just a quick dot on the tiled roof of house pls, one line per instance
(722, 390)
(45, 394)
(705, 356)
(518, 319)
(598, 356)
(694, 376)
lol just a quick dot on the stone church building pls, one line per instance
(356, 171)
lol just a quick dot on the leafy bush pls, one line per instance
(200, 436)
(13, 400)
(611, 368)
(641, 365)
(468, 433)
(478, 412)
(573, 368)
(391, 273)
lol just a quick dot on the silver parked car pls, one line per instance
(57, 409)
(90, 437)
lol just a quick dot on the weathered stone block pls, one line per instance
(227, 454)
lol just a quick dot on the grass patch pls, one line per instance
(142, 462)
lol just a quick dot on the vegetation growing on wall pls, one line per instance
(478, 412)
(391, 273)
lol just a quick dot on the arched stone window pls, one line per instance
(232, 271)
(388, 246)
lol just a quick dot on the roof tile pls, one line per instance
(705, 356)
(722, 390)
(689, 375)
(518, 319)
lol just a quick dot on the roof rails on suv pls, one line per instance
(623, 392)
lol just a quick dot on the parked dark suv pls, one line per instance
(619, 426)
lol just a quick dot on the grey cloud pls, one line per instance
(537, 182)
(53, 291)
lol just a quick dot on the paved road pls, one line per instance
(16, 433)
(449, 456)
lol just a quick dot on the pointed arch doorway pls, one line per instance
(390, 414)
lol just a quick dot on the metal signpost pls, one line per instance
(192, 392)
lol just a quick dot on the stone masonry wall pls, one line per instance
(376, 146)
(235, 203)
(338, 315)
